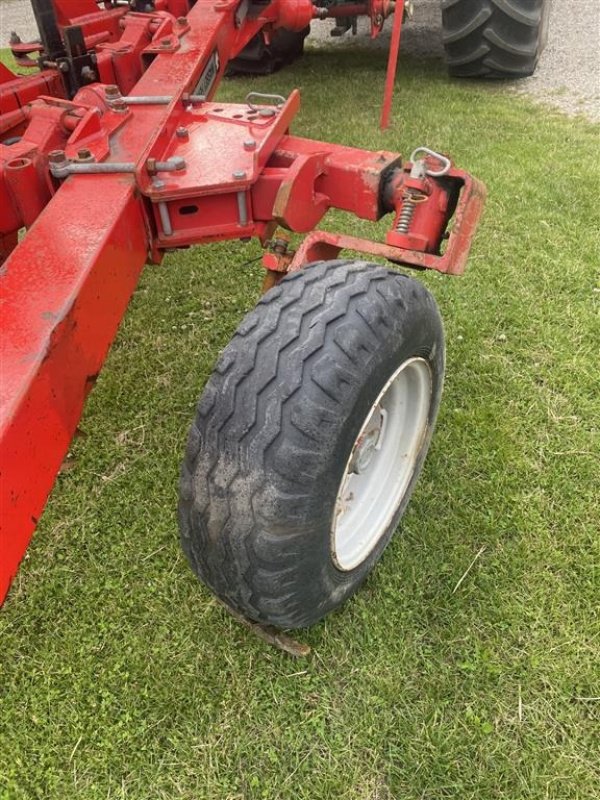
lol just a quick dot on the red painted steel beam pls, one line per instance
(16, 91)
(64, 291)
(346, 10)
(390, 76)
(65, 288)
(63, 295)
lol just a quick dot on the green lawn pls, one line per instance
(120, 676)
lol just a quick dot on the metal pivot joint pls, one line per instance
(417, 188)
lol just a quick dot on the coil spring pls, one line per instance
(410, 201)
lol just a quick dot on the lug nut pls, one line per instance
(58, 163)
(88, 74)
(57, 157)
(119, 106)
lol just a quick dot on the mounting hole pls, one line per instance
(19, 163)
(186, 210)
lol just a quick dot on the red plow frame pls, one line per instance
(116, 151)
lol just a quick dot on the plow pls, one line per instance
(310, 434)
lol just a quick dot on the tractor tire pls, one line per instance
(309, 438)
(494, 38)
(260, 58)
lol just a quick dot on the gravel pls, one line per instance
(16, 15)
(567, 78)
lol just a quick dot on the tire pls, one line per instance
(494, 38)
(260, 58)
(276, 429)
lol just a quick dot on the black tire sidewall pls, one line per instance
(257, 498)
(417, 334)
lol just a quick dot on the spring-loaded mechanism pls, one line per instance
(419, 172)
(424, 230)
(410, 200)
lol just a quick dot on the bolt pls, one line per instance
(249, 144)
(280, 245)
(181, 21)
(57, 157)
(14, 38)
(151, 166)
(114, 99)
(84, 154)
(63, 66)
(88, 74)
(182, 133)
(165, 42)
(239, 175)
(119, 106)
(58, 163)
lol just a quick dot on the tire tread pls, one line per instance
(493, 38)
(283, 344)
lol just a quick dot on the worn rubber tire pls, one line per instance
(494, 38)
(275, 426)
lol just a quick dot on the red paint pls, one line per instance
(66, 286)
(390, 76)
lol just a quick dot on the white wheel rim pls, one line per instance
(382, 462)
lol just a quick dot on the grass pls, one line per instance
(120, 677)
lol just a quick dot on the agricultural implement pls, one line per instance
(311, 433)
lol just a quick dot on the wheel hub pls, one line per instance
(381, 464)
(367, 445)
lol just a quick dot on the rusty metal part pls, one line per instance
(269, 634)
